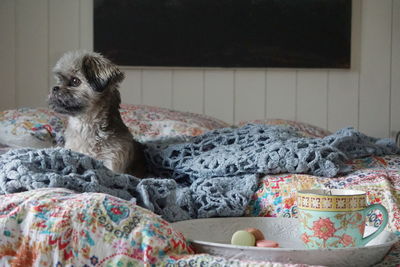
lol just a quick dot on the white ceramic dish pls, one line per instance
(213, 236)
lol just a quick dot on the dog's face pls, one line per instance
(83, 81)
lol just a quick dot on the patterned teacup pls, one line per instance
(335, 218)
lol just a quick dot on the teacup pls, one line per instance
(335, 218)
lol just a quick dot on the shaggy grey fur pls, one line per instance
(87, 93)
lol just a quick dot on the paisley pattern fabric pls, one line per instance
(378, 176)
(41, 127)
(31, 127)
(151, 123)
(59, 228)
(56, 227)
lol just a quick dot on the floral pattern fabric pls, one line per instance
(379, 177)
(149, 123)
(56, 227)
(41, 127)
(31, 127)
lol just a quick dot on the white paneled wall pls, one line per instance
(395, 69)
(7, 54)
(35, 33)
(31, 51)
(376, 33)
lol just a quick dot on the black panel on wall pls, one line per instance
(224, 33)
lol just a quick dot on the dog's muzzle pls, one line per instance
(64, 103)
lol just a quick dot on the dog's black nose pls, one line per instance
(56, 88)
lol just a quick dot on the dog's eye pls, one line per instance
(74, 82)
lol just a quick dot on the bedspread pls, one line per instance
(57, 227)
(67, 230)
(378, 176)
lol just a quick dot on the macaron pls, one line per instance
(256, 232)
(243, 238)
(267, 244)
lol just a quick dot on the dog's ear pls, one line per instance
(115, 98)
(100, 72)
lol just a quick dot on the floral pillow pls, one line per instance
(31, 127)
(305, 129)
(57, 227)
(41, 127)
(151, 123)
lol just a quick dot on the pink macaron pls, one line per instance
(256, 232)
(267, 244)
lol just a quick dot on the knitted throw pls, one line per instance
(211, 175)
(28, 169)
(262, 149)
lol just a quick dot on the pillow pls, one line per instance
(57, 227)
(31, 127)
(305, 129)
(41, 127)
(149, 123)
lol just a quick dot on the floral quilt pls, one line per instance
(378, 176)
(57, 227)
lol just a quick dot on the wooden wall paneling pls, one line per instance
(249, 95)
(395, 71)
(188, 91)
(35, 33)
(219, 94)
(157, 87)
(343, 85)
(7, 54)
(86, 24)
(312, 97)
(131, 87)
(375, 68)
(31, 53)
(64, 30)
(342, 99)
(356, 35)
(281, 94)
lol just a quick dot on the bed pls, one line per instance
(60, 227)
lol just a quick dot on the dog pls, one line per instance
(86, 91)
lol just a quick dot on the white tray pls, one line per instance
(213, 236)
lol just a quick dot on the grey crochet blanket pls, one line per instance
(257, 148)
(210, 175)
(29, 169)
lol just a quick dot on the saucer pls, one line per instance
(212, 236)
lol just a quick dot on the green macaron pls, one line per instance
(243, 238)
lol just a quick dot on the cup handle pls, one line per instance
(382, 209)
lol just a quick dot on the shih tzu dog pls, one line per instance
(87, 92)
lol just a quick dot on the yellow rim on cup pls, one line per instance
(331, 200)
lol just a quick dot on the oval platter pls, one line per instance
(212, 236)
